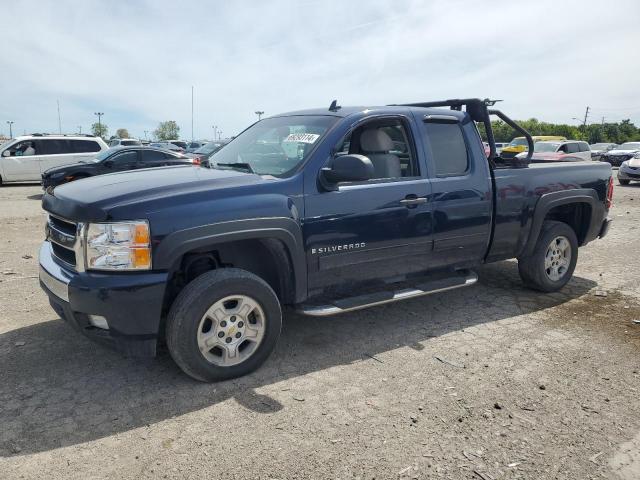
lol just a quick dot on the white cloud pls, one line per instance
(136, 61)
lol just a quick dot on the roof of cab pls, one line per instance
(347, 111)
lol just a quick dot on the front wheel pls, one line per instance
(224, 324)
(553, 260)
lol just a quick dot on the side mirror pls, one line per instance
(6, 153)
(347, 168)
(108, 163)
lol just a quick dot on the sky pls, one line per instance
(137, 61)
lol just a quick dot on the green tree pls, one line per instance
(122, 133)
(100, 130)
(168, 130)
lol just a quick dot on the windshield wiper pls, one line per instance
(237, 165)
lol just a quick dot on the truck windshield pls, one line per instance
(274, 146)
(516, 142)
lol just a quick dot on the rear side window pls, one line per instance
(153, 156)
(125, 158)
(573, 147)
(584, 147)
(85, 146)
(52, 146)
(447, 147)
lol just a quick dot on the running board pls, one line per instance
(463, 278)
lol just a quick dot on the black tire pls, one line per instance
(623, 182)
(532, 268)
(192, 303)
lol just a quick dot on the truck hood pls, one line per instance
(621, 152)
(92, 198)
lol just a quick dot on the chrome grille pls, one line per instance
(66, 241)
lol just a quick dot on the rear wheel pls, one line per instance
(623, 182)
(224, 324)
(553, 260)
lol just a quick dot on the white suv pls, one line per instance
(25, 158)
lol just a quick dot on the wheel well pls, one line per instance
(267, 258)
(576, 215)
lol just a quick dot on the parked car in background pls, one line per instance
(563, 151)
(124, 142)
(519, 144)
(25, 158)
(500, 146)
(621, 153)
(629, 170)
(167, 146)
(203, 153)
(597, 149)
(179, 143)
(193, 146)
(117, 159)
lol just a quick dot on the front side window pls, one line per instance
(23, 149)
(274, 146)
(387, 144)
(448, 150)
(573, 147)
(545, 147)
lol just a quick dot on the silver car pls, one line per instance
(629, 170)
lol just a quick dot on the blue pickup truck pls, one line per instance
(324, 211)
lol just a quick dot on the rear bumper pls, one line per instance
(604, 229)
(131, 303)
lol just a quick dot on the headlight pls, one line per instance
(625, 163)
(118, 246)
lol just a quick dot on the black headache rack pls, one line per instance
(480, 112)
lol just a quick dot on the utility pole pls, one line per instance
(191, 113)
(586, 114)
(259, 113)
(99, 114)
(10, 123)
(603, 121)
(59, 122)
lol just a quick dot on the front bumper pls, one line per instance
(130, 302)
(628, 173)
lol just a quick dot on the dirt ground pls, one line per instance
(489, 382)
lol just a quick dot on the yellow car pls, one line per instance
(519, 144)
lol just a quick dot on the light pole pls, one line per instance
(219, 134)
(10, 123)
(145, 134)
(259, 113)
(79, 129)
(215, 132)
(99, 114)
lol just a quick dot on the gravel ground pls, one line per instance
(489, 382)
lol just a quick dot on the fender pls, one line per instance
(287, 230)
(564, 197)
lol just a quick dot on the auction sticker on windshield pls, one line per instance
(301, 138)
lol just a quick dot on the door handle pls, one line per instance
(409, 201)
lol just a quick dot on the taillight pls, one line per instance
(196, 160)
(609, 202)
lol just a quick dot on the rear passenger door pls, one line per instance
(154, 158)
(54, 152)
(461, 197)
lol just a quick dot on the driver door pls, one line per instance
(20, 167)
